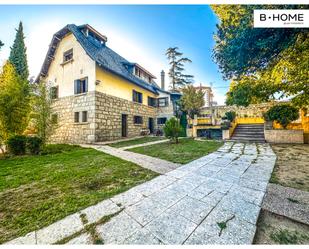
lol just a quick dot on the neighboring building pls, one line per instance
(98, 95)
(208, 95)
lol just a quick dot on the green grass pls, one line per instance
(135, 141)
(185, 151)
(36, 191)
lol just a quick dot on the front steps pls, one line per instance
(249, 133)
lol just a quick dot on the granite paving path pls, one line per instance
(213, 200)
(148, 162)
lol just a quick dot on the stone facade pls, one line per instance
(67, 131)
(108, 113)
(104, 118)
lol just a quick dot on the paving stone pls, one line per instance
(145, 211)
(237, 231)
(83, 239)
(142, 237)
(60, 229)
(177, 173)
(288, 202)
(253, 184)
(127, 198)
(194, 179)
(28, 239)
(192, 209)
(154, 185)
(247, 194)
(213, 198)
(118, 229)
(98, 211)
(167, 197)
(171, 228)
(246, 210)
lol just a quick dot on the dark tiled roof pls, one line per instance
(101, 54)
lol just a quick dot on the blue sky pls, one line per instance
(140, 33)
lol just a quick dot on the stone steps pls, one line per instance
(249, 132)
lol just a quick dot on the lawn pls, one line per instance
(185, 151)
(141, 140)
(36, 191)
(292, 166)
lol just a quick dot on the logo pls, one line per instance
(297, 18)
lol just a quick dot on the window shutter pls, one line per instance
(86, 84)
(75, 86)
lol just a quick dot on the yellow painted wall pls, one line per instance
(250, 120)
(114, 85)
(302, 125)
(63, 76)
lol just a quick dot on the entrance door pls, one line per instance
(150, 125)
(124, 126)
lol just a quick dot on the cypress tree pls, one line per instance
(18, 56)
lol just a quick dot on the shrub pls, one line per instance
(284, 114)
(172, 129)
(34, 145)
(57, 148)
(225, 125)
(230, 116)
(17, 144)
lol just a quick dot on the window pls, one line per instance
(138, 119)
(152, 101)
(81, 86)
(54, 118)
(137, 97)
(54, 92)
(162, 102)
(76, 117)
(161, 121)
(68, 55)
(84, 116)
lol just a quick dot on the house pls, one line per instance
(208, 97)
(97, 94)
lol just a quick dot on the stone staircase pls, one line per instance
(249, 133)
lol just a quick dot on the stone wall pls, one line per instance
(284, 136)
(108, 117)
(104, 118)
(254, 110)
(67, 131)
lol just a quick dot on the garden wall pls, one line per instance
(284, 136)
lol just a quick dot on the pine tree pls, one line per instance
(176, 61)
(18, 56)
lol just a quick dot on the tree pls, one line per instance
(176, 61)
(14, 102)
(18, 56)
(192, 100)
(284, 114)
(1, 44)
(172, 129)
(266, 56)
(42, 111)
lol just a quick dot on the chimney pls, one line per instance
(162, 80)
